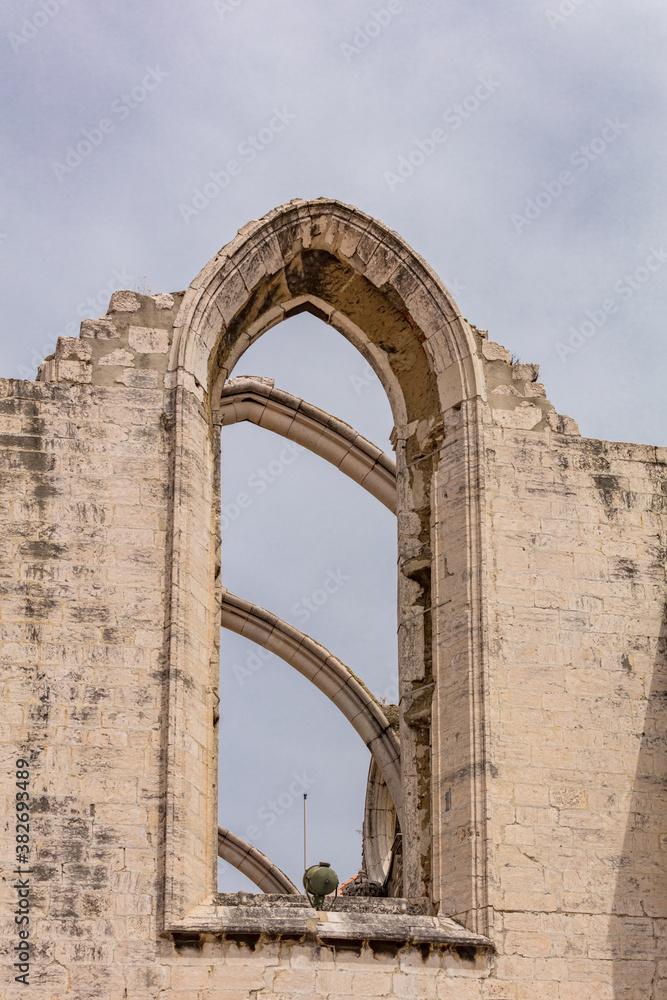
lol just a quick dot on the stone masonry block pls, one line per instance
(495, 352)
(525, 373)
(148, 340)
(72, 349)
(74, 371)
(124, 301)
(144, 379)
(119, 357)
(525, 416)
(163, 300)
(99, 329)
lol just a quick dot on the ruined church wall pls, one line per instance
(85, 479)
(574, 612)
(577, 681)
(84, 489)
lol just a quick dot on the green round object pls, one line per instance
(320, 880)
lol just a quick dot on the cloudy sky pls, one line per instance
(520, 148)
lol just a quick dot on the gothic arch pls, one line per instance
(361, 278)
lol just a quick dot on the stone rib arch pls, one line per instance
(362, 279)
(253, 863)
(329, 675)
(379, 827)
(258, 401)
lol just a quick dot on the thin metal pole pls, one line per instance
(305, 833)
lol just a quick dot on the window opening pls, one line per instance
(305, 542)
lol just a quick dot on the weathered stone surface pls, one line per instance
(163, 301)
(495, 352)
(124, 302)
(525, 373)
(140, 379)
(506, 390)
(534, 389)
(119, 357)
(99, 329)
(73, 371)
(72, 349)
(149, 340)
(524, 416)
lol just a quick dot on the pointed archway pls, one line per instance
(362, 279)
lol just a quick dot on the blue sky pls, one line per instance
(520, 148)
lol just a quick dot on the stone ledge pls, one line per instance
(351, 919)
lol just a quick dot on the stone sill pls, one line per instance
(350, 919)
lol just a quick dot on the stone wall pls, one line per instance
(84, 489)
(578, 680)
(571, 873)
